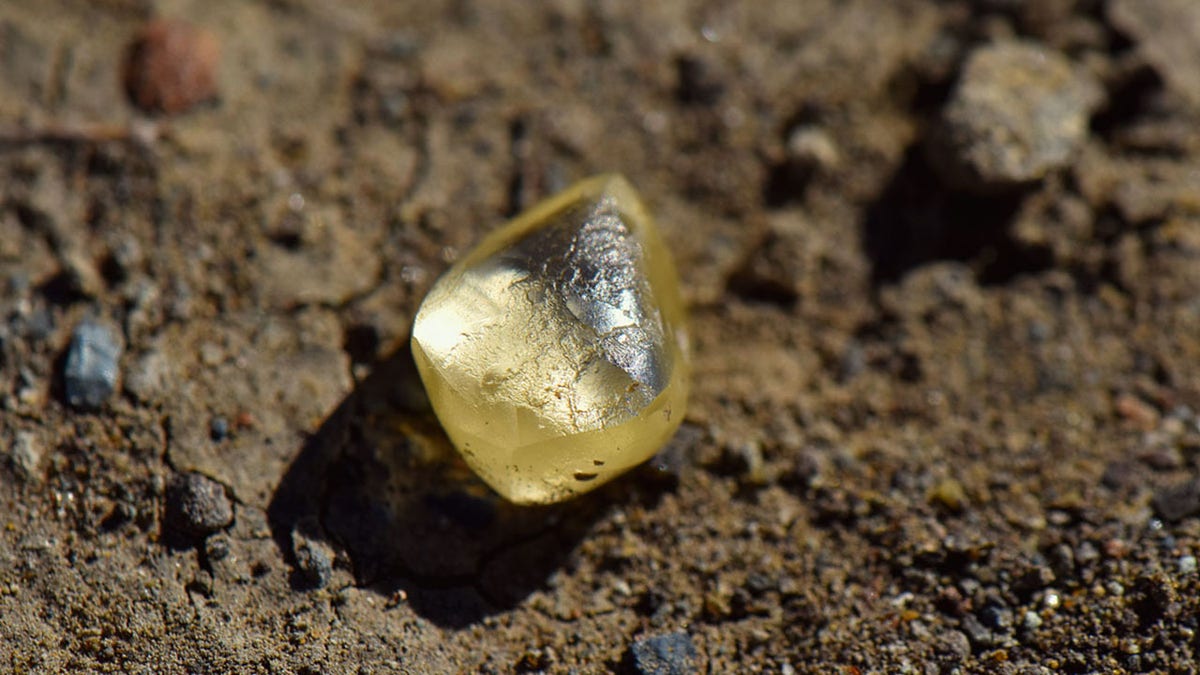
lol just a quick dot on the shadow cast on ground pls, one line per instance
(918, 219)
(379, 481)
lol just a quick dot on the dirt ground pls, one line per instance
(946, 378)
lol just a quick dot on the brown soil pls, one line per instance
(933, 429)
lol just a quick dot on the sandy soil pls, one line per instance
(938, 425)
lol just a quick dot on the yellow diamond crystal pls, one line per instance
(555, 353)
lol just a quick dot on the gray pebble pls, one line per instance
(1018, 112)
(667, 654)
(1178, 501)
(197, 505)
(979, 635)
(314, 559)
(218, 428)
(955, 644)
(90, 375)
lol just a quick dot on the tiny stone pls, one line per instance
(980, 636)
(171, 66)
(949, 494)
(1187, 564)
(314, 559)
(1178, 501)
(40, 325)
(667, 654)
(91, 371)
(1086, 553)
(26, 454)
(1018, 112)
(813, 147)
(216, 548)
(955, 643)
(749, 458)
(996, 617)
(1032, 620)
(197, 505)
(1062, 561)
(805, 469)
(218, 428)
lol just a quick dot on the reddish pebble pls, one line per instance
(171, 66)
(244, 420)
(1138, 412)
(1115, 548)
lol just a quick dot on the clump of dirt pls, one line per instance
(938, 424)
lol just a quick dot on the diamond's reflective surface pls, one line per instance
(554, 353)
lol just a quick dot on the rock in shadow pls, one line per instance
(919, 219)
(380, 481)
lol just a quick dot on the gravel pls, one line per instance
(197, 505)
(314, 560)
(91, 372)
(667, 654)
(1178, 501)
(1019, 111)
(26, 453)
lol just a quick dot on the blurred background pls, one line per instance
(942, 260)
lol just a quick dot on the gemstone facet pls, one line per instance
(555, 353)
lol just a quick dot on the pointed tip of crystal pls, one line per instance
(555, 353)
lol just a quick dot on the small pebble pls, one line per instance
(979, 635)
(667, 654)
(955, 643)
(949, 494)
(91, 372)
(997, 618)
(1032, 620)
(1051, 599)
(218, 428)
(1187, 564)
(26, 454)
(1018, 112)
(314, 559)
(216, 548)
(197, 505)
(171, 66)
(40, 325)
(1178, 501)
(813, 147)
